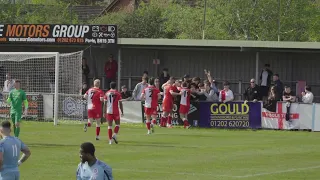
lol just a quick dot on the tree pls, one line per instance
(225, 19)
(55, 13)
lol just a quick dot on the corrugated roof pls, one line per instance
(218, 43)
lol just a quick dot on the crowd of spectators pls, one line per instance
(270, 89)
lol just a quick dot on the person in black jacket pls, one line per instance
(164, 77)
(279, 86)
(252, 93)
(85, 71)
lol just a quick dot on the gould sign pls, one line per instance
(58, 34)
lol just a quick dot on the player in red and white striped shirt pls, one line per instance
(94, 98)
(151, 95)
(185, 104)
(112, 103)
(167, 104)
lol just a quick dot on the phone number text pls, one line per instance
(230, 124)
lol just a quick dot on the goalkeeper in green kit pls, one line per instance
(16, 97)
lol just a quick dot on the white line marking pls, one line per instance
(177, 173)
(217, 175)
(278, 172)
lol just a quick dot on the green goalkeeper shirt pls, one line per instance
(16, 98)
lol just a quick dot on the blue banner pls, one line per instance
(237, 115)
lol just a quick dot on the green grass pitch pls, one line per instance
(173, 154)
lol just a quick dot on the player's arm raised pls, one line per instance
(26, 153)
(163, 85)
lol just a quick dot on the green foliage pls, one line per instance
(225, 19)
(54, 12)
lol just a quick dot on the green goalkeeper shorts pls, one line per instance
(15, 117)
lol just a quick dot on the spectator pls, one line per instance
(252, 93)
(164, 77)
(146, 74)
(271, 103)
(85, 71)
(8, 84)
(200, 94)
(289, 97)
(186, 78)
(125, 94)
(278, 85)
(84, 88)
(136, 94)
(265, 81)
(212, 81)
(110, 69)
(226, 95)
(194, 92)
(210, 93)
(196, 80)
(307, 95)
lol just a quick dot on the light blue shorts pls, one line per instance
(10, 176)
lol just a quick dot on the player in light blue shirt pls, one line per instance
(10, 148)
(90, 168)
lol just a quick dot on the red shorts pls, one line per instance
(94, 114)
(150, 111)
(167, 106)
(184, 109)
(111, 117)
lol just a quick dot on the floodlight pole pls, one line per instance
(279, 16)
(204, 19)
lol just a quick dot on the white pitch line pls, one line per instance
(278, 172)
(177, 173)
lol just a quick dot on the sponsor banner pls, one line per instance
(300, 117)
(175, 113)
(73, 107)
(58, 34)
(237, 115)
(35, 110)
(194, 114)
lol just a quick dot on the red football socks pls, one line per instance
(97, 131)
(89, 124)
(169, 120)
(116, 129)
(148, 125)
(163, 122)
(186, 123)
(110, 133)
